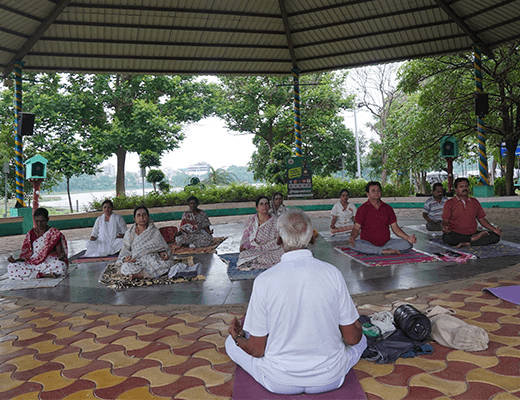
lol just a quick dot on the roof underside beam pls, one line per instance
(27, 46)
(462, 25)
(290, 45)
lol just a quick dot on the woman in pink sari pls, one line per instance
(44, 251)
(258, 247)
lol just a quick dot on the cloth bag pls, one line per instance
(452, 332)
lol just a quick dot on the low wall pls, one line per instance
(17, 226)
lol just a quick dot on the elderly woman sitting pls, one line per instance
(144, 253)
(277, 206)
(107, 234)
(194, 230)
(259, 248)
(44, 251)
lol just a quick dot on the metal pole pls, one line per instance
(483, 164)
(358, 173)
(6, 171)
(18, 147)
(297, 120)
(143, 173)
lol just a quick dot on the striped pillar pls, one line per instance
(297, 120)
(483, 164)
(18, 146)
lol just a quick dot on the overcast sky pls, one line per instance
(209, 141)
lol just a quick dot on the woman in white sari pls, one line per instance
(107, 234)
(145, 253)
(259, 248)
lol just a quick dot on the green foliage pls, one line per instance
(263, 106)
(149, 158)
(164, 186)
(219, 176)
(499, 186)
(154, 176)
(276, 170)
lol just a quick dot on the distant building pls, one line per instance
(199, 169)
(109, 170)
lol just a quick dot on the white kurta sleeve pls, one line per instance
(95, 230)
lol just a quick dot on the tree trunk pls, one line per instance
(510, 167)
(68, 194)
(423, 182)
(384, 171)
(120, 177)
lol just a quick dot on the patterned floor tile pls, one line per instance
(478, 390)
(138, 366)
(156, 376)
(103, 378)
(449, 388)
(52, 380)
(424, 393)
(141, 329)
(423, 363)
(118, 359)
(225, 390)
(24, 391)
(94, 354)
(151, 318)
(181, 369)
(199, 334)
(130, 343)
(188, 318)
(166, 357)
(117, 391)
(151, 348)
(25, 362)
(81, 395)
(141, 393)
(175, 342)
(386, 392)
(68, 340)
(508, 383)
(160, 333)
(473, 358)
(373, 369)
(400, 375)
(208, 375)
(508, 351)
(487, 326)
(171, 390)
(182, 329)
(455, 371)
(70, 390)
(198, 393)
(507, 330)
(507, 340)
(193, 348)
(213, 356)
(78, 372)
(217, 339)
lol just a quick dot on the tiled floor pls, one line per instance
(81, 340)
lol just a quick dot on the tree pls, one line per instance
(263, 106)
(445, 87)
(149, 158)
(377, 91)
(219, 176)
(154, 176)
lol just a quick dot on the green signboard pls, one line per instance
(299, 177)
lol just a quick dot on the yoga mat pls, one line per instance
(94, 259)
(507, 293)
(12, 284)
(337, 237)
(500, 249)
(376, 260)
(246, 388)
(233, 273)
(197, 250)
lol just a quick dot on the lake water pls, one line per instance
(81, 200)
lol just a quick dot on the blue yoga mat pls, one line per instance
(233, 273)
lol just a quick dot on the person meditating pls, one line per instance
(373, 219)
(44, 251)
(107, 234)
(194, 230)
(432, 211)
(459, 220)
(277, 206)
(145, 253)
(342, 214)
(301, 332)
(258, 247)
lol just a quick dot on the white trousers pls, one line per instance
(250, 365)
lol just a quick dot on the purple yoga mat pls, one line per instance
(508, 293)
(246, 388)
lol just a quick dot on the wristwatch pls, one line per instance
(239, 335)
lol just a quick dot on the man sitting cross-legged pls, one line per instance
(459, 220)
(432, 211)
(301, 332)
(373, 219)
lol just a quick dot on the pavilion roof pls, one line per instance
(243, 37)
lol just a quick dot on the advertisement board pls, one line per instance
(299, 177)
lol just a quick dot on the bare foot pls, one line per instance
(479, 235)
(41, 275)
(391, 252)
(463, 244)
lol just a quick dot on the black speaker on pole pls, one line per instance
(25, 124)
(481, 103)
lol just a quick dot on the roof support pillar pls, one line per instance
(18, 146)
(297, 120)
(483, 164)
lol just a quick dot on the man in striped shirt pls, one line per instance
(432, 211)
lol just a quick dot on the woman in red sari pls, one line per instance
(44, 251)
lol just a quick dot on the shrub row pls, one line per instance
(323, 188)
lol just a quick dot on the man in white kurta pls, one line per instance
(301, 332)
(108, 236)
